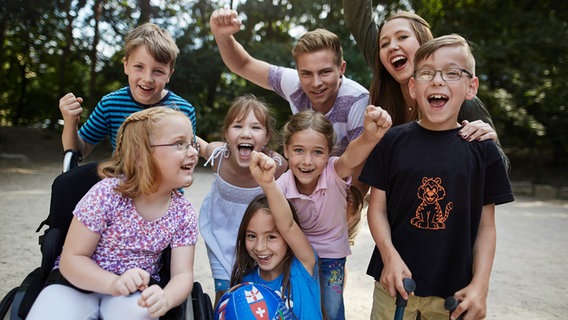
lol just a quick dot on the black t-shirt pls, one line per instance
(436, 184)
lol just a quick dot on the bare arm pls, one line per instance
(206, 148)
(203, 146)
(356, 172)
(77, 266)
(262, 168)
(394, 269)
(474, 297)
(179, 287)
(70, 107)
(224, 23)
(377, 122)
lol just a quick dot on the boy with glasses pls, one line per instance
(433, 195)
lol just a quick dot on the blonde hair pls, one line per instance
(316, 40)
(450, 40)
(132, 160)
(156, 40)
(309, 119)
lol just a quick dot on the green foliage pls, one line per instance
(521, 49)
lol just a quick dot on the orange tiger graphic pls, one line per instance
(429, 214)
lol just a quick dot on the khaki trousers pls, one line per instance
(430, 308)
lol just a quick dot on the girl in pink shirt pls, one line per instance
(316, 183)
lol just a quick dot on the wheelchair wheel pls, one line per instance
(208, 307)
(189, 313)
(6, 303)
(202, 308)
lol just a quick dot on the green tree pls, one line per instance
(24, 59)
(49, 48)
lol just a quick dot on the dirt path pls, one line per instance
(529, 279)
(24, 198)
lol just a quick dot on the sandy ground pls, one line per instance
(529, 279)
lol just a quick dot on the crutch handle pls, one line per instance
(409, 286)
(451, 304)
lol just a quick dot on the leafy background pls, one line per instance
(49, 48)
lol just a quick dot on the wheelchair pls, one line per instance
(66, 191)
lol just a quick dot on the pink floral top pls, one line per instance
(128, 240)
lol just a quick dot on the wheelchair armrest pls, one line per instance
(71, 159)
(51, 246)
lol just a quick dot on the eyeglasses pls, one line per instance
(180, 145)
(448, 74)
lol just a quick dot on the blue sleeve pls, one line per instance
(97, 126)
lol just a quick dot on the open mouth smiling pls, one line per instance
(399, 61)
(143, 88)
(437, 100)
(187, 166)
(245, 149)
(306, 170)
(263, 258)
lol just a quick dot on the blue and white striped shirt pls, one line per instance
(113, 109)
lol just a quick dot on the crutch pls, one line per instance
(409, 286)
(451, 304)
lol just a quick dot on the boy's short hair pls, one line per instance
(450, 40)
(316, 40)
(157, 41)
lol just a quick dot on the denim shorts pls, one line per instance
(222, 285)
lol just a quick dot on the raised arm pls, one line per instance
(70, 107)
(224, 23)
(359, 21)
(377, 122)
(262, 169)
